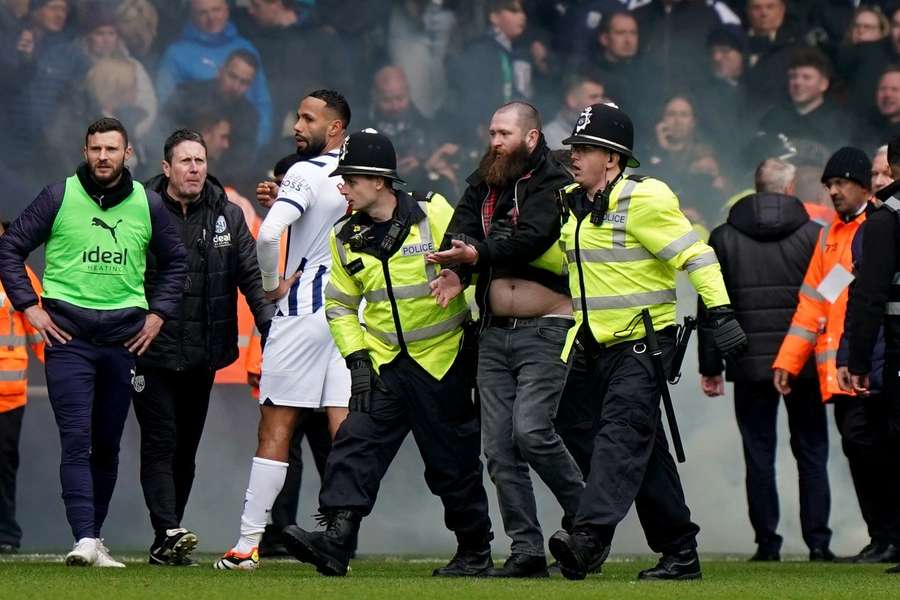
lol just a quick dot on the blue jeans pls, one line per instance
(520, 381)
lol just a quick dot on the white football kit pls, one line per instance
(301, 365)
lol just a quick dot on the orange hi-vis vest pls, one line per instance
(16, 333)
(237, 371)
(819, 323)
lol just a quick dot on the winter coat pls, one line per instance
(764, 249)
(221, 259)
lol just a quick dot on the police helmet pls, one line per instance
(607, 126)
(368, 152)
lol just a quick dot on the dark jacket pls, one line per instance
(876, 376)
(221, 259)
(33, 228)
(873, 288)
(536, 230)
(827, 125)
(764, 249)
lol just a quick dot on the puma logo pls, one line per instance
(98, 222)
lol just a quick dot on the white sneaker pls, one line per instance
(104, 559)
(83, 554)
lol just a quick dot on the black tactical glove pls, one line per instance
(361, 379)
(727, 333)
(501, 230)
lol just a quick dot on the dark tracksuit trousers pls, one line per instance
(444, 424)
(756, 410)
(10, 432)
(313, 427)
(90, 392)
(872, 454)
(631, 461)
(171, 409)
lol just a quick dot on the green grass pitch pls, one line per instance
(45, 577)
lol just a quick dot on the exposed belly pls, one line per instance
(512, 297)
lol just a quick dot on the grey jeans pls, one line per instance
(520, 380)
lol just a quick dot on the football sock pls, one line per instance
(266, 480)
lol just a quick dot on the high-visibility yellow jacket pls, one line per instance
(16, 334)
(400, 311)
(628, 262)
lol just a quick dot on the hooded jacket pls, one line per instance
(198, 55)
(764, 249)
(221, 259)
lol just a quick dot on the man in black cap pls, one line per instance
(506, 227)
(406, 367)
(624, 239)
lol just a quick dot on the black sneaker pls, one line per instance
(766, 555)
(522, 566)
(578, 554)
(174, 548)
(875, 552)
(679, 566)
(328, 551)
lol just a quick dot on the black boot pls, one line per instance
(766, 555)
(271, 544)
(522, 566)
(893, 570)
(472, 558)
(678, 566)
(821, 555)
(875, 552)
(578, 554)
(328, 551)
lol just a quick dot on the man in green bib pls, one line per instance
(97, 228)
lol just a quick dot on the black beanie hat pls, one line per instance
(850, 163)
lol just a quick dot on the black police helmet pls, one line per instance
(368, 152)
(607, 126)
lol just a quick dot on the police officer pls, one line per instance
(624, 238)
(406, 367)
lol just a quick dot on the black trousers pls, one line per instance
(578, 416)
(444, 423)
(892, 394)
(631, 461)
(874, 461)
(10, 431)
(171, 409)
(314, 427)
(756, 410)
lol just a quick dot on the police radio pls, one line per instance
(395, 235)
(601, 201)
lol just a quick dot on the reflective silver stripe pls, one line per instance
(892, 308)
(342, 254)
(680, 245)
(35, 338)
(826, 356)
(608, 255)
(12, 375)
(629, 300)
(425, 238)
(336, 312)
(622, 203)
(417, 335)
(825, 233)
(336, 294)
(806, 334)
(893, 203)
(701, 260)
(243, 341)
(404, 292)
(808, 290)
(12, 340)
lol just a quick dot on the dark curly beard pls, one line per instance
(501, 169)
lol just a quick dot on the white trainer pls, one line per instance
(104, 559)
(83, 554)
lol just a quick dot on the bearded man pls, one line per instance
(506, 228)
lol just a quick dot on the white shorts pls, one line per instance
(301, 365)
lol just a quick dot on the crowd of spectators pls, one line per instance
(713, 86)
